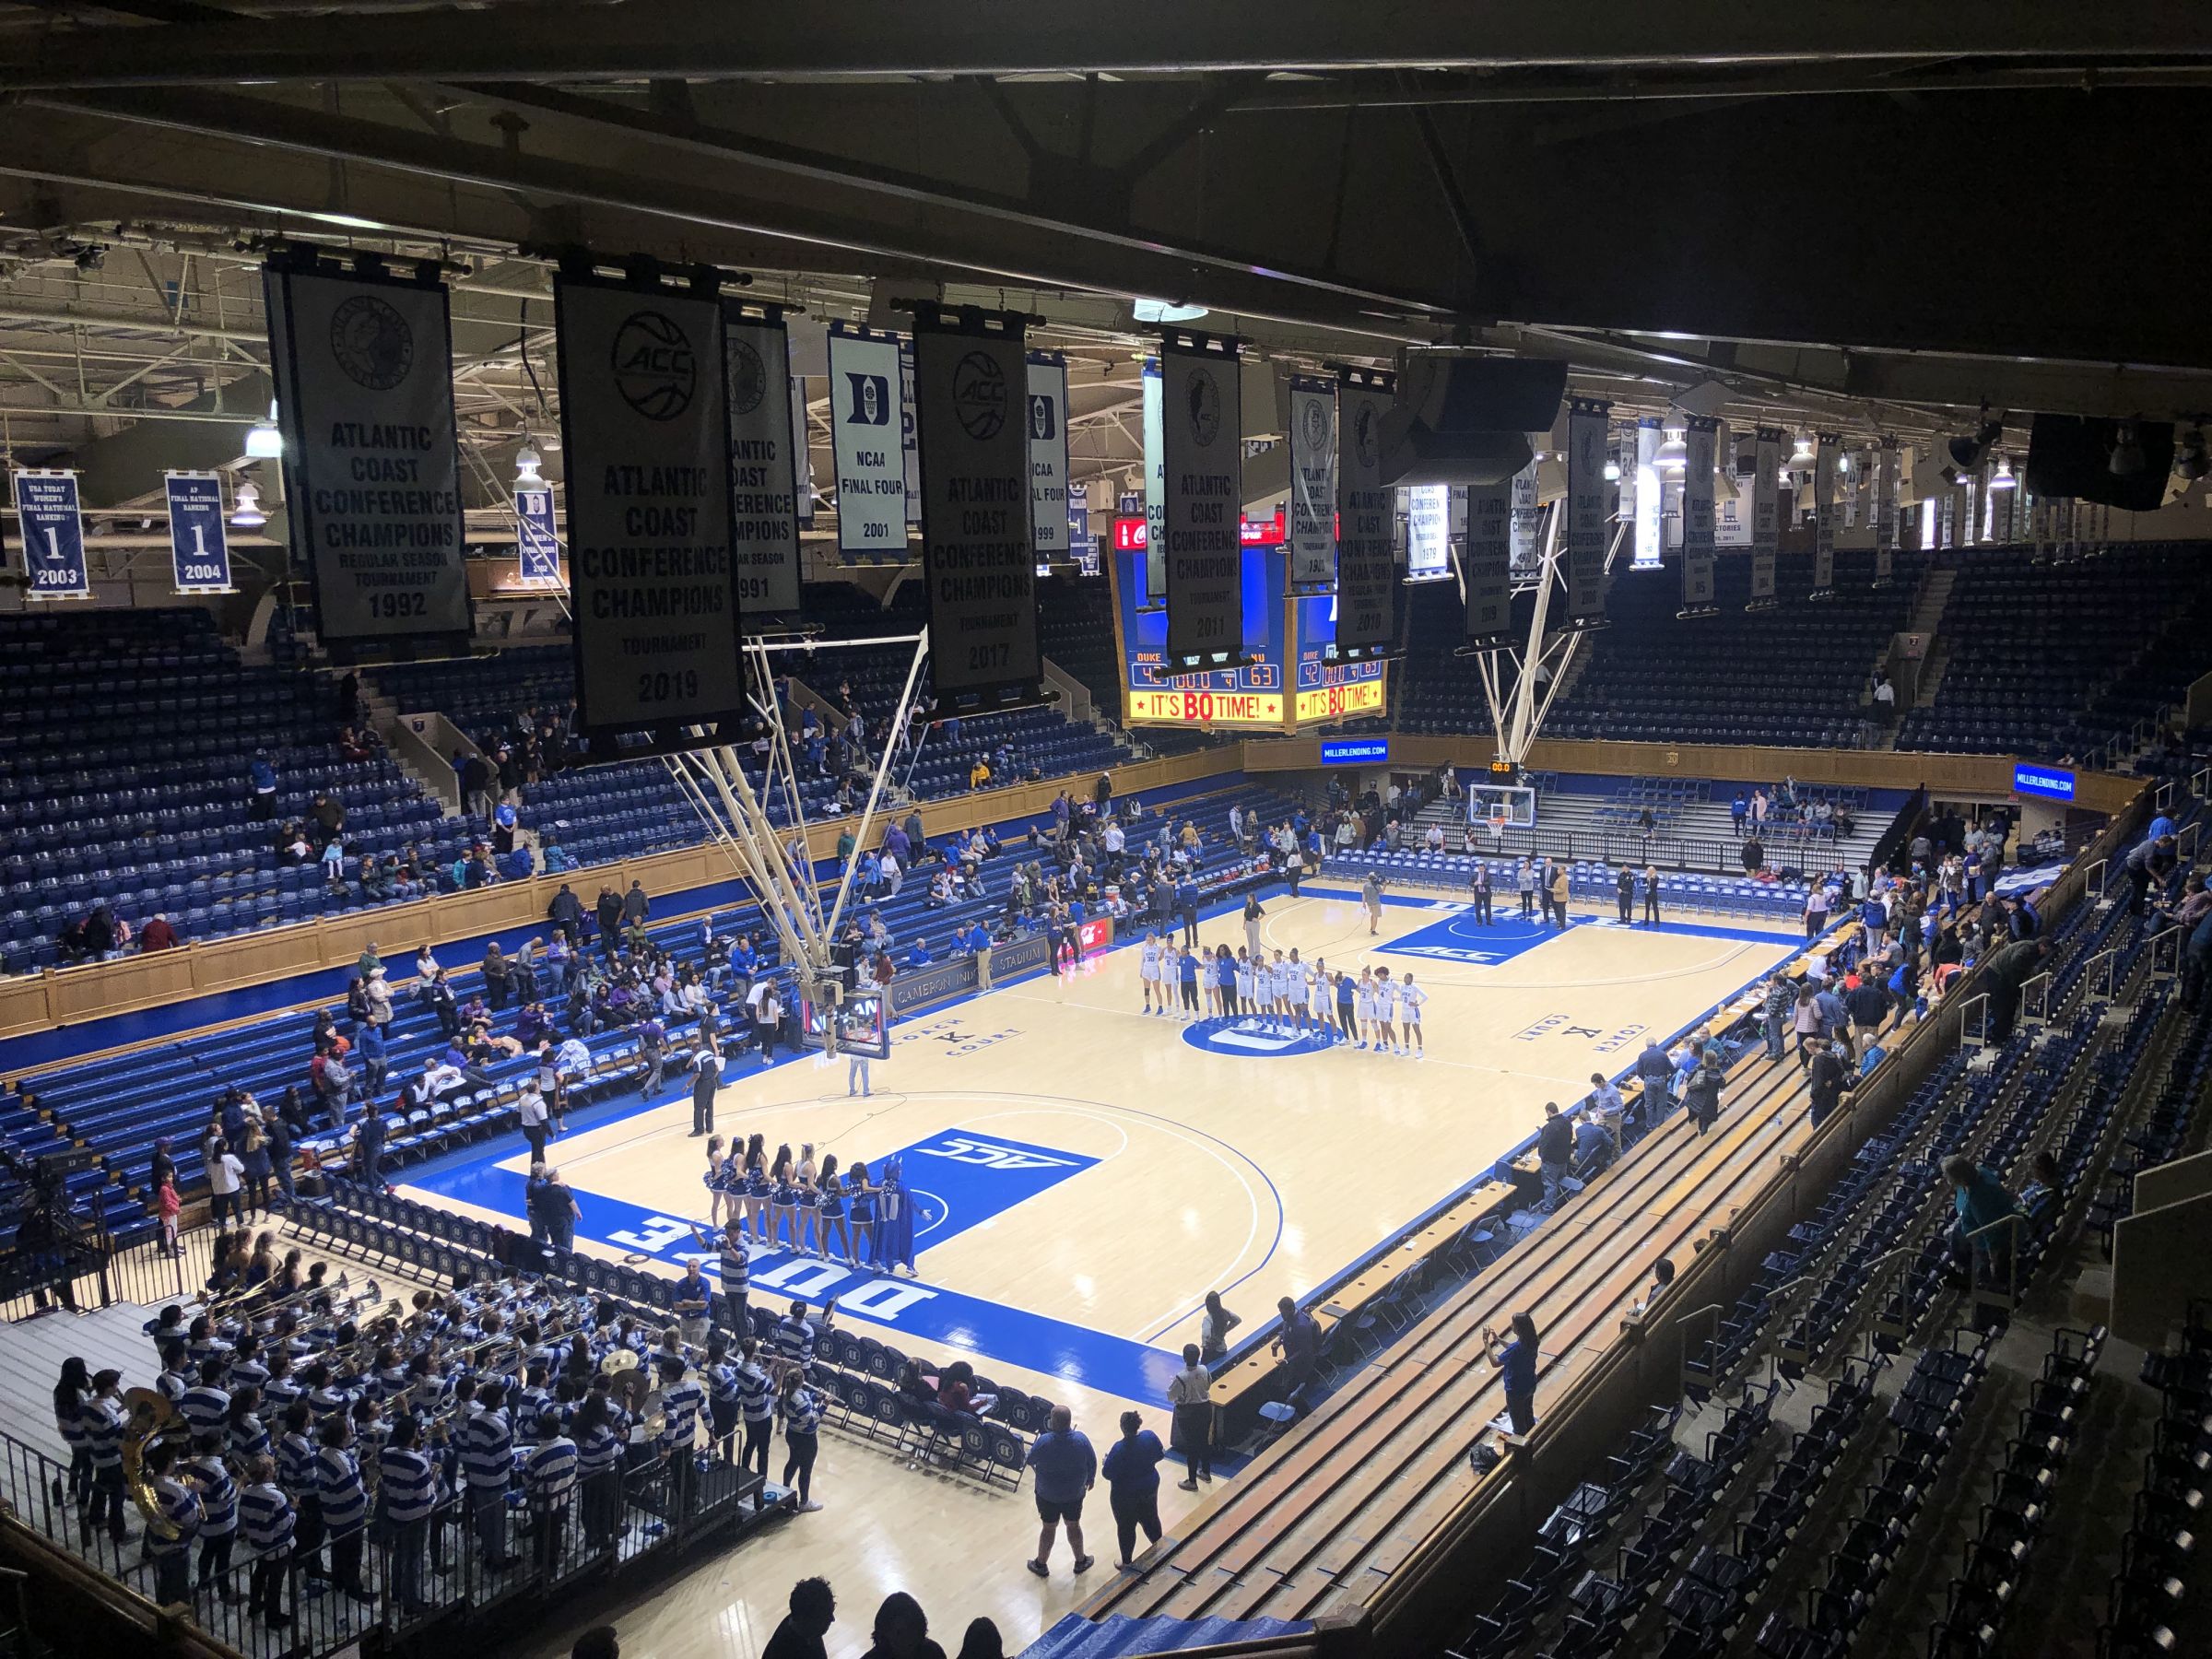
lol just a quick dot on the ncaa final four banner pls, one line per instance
(1366, 519)
(48, 514)
(1828, 445)
(1699, 442)
(865, 440)
(653, 588)
(1202, 457)
(1584, 536)
(1047, 420)
(1885, 514)
(199, 546)
(364, 373)
(1487, 566)
(763, 483)
(979, 554)
(1766, 515)
(1311, 538)
(536, 536)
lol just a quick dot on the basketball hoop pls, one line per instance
(1497, 822)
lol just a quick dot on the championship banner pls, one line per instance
(199, 544)
(536, 536)
(52, 521)
(802, 452)
(1048, 453)
(1488, 565)
(1699, 442)
(1202, 455)
(1428, 533)
(1824, 514)
(1584, 541)
(1312, 541)
(645, 426)
(364, 373)
(910, 458)
(1766, 515)
(764, 507)
(1156, 492)
(979, 554)
(1885, 513)
(865, 440)
(1526, 531)
(1366, 521)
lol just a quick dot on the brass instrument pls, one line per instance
(615, 1362)
(150, 1416)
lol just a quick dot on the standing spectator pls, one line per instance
(1066, 1469)
(224, 1174)
(1214, 1326)
(607, 912)
(1132, 1471)
(1654, 1074)
(1555, 1152)
(1607, 1108)
(530, 1106)
(263, 774)
(1299, 1344)
(1650, 895)
(1981, 1202)
(368, 1147)
(1625, 886)
(1701, 1094)
(1830, 1081)
(1560, 889)
(636, 910)
(813, 1611)
(557, 1205)
(1191, 1399)
(1516, 1363)
(706, 1078)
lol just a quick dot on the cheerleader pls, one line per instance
(806, 1223)
(1148, 974)
(860, 1200)
(782, 1198)
(756, 1190)
(831, 1196)
(713, 1180)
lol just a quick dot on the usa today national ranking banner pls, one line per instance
(979, 555)
(50, 516)
(199, 548)
(866, 440)
(1584, 531)
(1202, 455)
(364, 374)
(1311, 530)
(646, 436)
(1046, 420)
(1366, 519)
(1698, 442)
(763, 477)
(1766, 515)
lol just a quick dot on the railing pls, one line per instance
(94, 1271)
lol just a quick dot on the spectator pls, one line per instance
(262, 774)
(982, 1641)
(1831, 1079)
(1981, 1201)
(1654, 1074)
(1132, 1471)
(1555, 1152)
(1516, 1363)
(1066, 1469)
(813, 1611)
(1701, 1095)
(1190, 1401)
(637, 909)
(158, 935)
(1299, 1344)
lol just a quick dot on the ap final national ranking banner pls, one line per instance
(199, 549)
(363, 365)
(652, 582)
(979, 556)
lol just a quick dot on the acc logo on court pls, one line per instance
(1253, 1038)
(655, 369)
(987, 1155)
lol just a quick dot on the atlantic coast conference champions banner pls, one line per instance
(865, 440)
(1766, 513)
(1046, 418)
(1699, 444)
(653, 585)
(1366, 517)
(977, 551)
(764, 477)
(1202, 451)
(1311, 537)
(1488, 562)
(1585, 527)
(363, 366)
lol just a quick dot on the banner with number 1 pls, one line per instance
(198, 549)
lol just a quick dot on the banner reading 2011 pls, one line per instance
(1202, 450)
(979, 554)
(364, 373)
(653, 585)
(866, 440)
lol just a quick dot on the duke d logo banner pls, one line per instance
(978, 551)
(1202, 453)
(866, 440)
(364, 373)
(1366, 518)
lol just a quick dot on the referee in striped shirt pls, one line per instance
(487, 1460)
(408, 1490)
(266, 1518)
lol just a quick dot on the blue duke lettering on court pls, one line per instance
(958, 1180)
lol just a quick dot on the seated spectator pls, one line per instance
(920, 956)
(157, 934)
(376, 880)
(291, 846)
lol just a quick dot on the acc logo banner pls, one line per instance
(990, 1155)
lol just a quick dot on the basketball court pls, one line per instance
(1083, 1174)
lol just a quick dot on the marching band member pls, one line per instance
(170, 1544)
(218, 1512)
(801, 1409)
(268, 1519)
(550, 1475)
(406, 1490)
(345, 1506)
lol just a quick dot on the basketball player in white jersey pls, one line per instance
(1248, 974)
(1363, 1005)
(1324, 992)
(1148, 973)
(1410, 998)
(1295, 989)
(1386, 1012)
(1278, 991)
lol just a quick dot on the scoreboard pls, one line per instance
(1288, 685)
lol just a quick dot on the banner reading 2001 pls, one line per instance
(652, 587)
(1202, 450)
(865, 440)
(364, 373)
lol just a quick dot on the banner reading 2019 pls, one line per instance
(363, 366)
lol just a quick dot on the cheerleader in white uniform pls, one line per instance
(716, 1164)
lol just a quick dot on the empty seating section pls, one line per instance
(1795, 675)
(125, 782)
(1076, 630)
(2152, 1594)
(2052, 659)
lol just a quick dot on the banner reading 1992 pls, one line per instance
(199, 548)
(1311, 538)
(979, 556)
(1202, 454)
(653, 585)
(47, 512)
(866, 441)
(1366, 584)
(364, 373)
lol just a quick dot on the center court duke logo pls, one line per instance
(1251, 1037)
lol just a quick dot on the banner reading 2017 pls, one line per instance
(363, 366)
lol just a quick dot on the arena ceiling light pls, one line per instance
(2002, 478)
(247, 514)
(526, 463)
(2192, 463)
(1165, 311)
(1967, 452)
(1673, 454)
(2127, 452)
(264, 441)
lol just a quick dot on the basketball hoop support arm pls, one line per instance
(1518, 716)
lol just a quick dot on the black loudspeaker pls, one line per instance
(2076, 455)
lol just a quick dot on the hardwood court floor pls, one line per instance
(1084, 1174)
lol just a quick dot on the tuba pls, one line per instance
(150, 1416)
